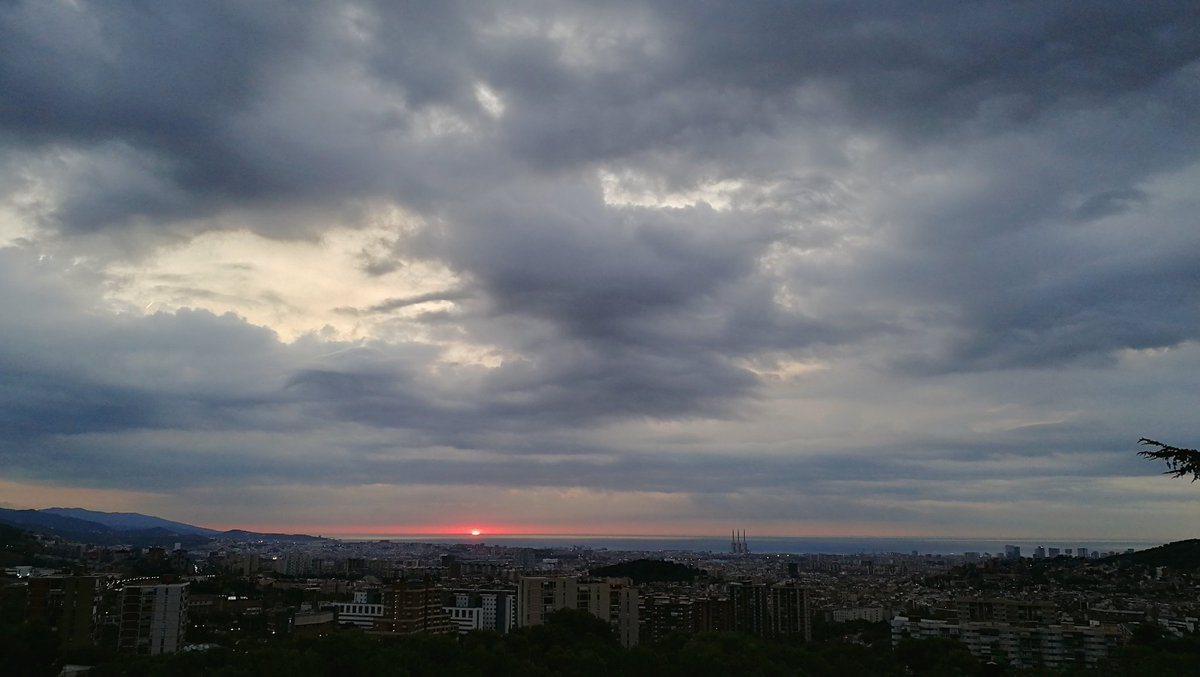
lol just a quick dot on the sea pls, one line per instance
(770, 544)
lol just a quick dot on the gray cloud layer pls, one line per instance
(939, 196)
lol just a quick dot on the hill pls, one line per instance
(650, 571)
(243, 535)
(1177, 555)
(17, 546)
(126, 528)
(69, 528)
(128, 520)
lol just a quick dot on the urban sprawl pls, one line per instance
(1055, 608)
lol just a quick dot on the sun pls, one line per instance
(475, 532)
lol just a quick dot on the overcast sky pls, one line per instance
(803, 268)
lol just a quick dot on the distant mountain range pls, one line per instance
(126, 528)
(128, 521)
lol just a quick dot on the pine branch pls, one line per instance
(1180, 462)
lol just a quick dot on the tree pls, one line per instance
(1180, 462)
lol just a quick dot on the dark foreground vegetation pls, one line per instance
(574, 643)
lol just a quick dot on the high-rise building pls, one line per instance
(365, 610)
(662, 615)
(622, 601)
(714, 614)
(538, 596)
(69, 605)
(789, 611)
(494, 610)
(414, 606)
(614, 601)
(1012, 552)
(779, 610)
(499, 610)
(749, 602)
(153, 618)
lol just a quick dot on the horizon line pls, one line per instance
(350, 535)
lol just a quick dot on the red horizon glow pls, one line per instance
(455, 530)
(608, 531)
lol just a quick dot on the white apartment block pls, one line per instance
(153, 618)
(362, 612)
(497, 609)
(465, 619)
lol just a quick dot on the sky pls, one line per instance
(625, 267)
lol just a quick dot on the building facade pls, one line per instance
(414, 606)
(614, 601)
(1024, 645)
(153, 618)
(789, 612)
(779, 610)
(69, 605)
(364, 611)
(494, 610)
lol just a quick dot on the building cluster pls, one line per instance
(1030, 612)
(635, 613)
(413, 588)
(779, 609)
(1022, 633)
(136, 616)
(1053, 610)
(1042, 552)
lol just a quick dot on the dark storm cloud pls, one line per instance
(207, 95)
(936, 62)
(157, 83)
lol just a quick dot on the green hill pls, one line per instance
(650, 571)
(1177, 555)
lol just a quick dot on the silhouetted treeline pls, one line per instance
(650, 571)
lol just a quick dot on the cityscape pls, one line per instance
(1052, 608)
(563, 337)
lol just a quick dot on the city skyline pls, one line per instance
(798, 269)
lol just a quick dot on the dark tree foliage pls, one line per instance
(28, 649)
(1180, 555)
(18, 546)
(649, 571)
(571, 645)
(574, 644)
(937, 657)
(1180, 462)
